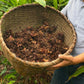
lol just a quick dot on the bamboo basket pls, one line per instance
(33, 15)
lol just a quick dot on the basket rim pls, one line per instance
(41, 64)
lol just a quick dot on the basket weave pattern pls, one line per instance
(33, 15)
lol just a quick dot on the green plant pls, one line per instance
(3, 71)
(9, 78)
(79, 71)
(41, 2)
(58, 4)
(6, 5)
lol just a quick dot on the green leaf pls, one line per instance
(0, 13)
(29, 1)
(61, 1)
(21, 2)
(79, 71)
(14, 2)
(30, 79)
(13, 70)
(9, 8)
(41, 2)
(5, 61)
(3, 9)
(35, 81)
(10, 76)
(3, 71)
(63, 4)
(5, 2)
(48, 0)
(55, 4)
(12, 82)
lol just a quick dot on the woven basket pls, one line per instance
(34, 15)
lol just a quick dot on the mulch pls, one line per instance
(36, 44)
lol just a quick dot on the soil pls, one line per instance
(36, 44)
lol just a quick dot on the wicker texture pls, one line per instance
(33, 15)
